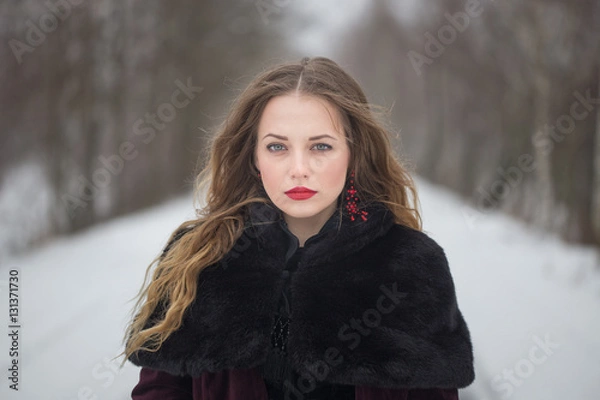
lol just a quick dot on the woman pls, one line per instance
(306, 275)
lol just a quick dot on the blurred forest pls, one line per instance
(497, 100)
(107, 105)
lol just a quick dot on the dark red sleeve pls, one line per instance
(373, 393)
(159, 385)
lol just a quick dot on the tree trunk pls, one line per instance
(595, 214)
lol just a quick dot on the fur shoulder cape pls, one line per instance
(373, 304)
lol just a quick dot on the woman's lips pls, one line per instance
(300, 193)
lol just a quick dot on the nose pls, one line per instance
(300, 167)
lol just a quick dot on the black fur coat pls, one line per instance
(373, 304)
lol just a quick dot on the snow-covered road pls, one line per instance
(532, 304)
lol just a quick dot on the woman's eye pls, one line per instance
(322, 146)
(275, 147)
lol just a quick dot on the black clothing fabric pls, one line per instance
(277, 370)
(374, 305)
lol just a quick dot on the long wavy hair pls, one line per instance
(229, 183)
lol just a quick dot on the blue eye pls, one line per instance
(323, 146)
(278, 147)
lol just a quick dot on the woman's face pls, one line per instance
(301, 145)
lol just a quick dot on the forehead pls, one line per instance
(296, 114)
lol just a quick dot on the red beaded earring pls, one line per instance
(351, 201)
(258, 174)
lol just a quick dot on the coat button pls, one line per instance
(285, 274)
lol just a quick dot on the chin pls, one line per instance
(302, 210)
(295, 212)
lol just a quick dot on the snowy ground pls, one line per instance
(532, 304)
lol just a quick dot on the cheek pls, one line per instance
(267, 171)
(335, 175)
(271, 177)
(270, 181)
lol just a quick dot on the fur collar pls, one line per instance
(373, 304)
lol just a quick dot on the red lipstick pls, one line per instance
(300, 193)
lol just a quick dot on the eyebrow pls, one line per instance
(310, 138)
